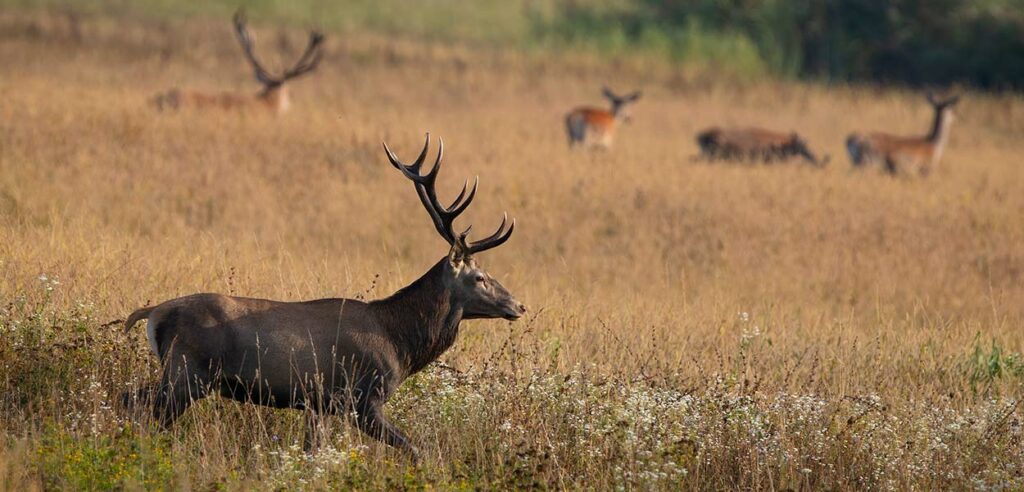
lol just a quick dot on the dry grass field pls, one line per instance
(709, 326)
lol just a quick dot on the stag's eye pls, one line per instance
(479, 279)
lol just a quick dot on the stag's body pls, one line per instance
(328, 356)
(595, 127)
(754, 144)
(905, 155)
(275, 100)
(274, 95)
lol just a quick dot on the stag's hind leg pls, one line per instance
(183, 382)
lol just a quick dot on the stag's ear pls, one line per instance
(456, 256)
(459, 252)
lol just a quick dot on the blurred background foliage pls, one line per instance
(978, 43)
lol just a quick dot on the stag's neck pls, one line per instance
(422, 319)
(276, 98)
(616, 111)
(940, 126)
(939, 133)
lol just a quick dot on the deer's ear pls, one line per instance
(457, 255)
(460, 249)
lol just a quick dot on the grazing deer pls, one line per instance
(328, 356)
(906, 155)
(755, 144)
(274, 95)
(596, 127)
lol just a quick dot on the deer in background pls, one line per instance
(328, 356)
(592, 127)
(755, 144)
(906, 155)
(274, 95)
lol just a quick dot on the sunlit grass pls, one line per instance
(712, 325)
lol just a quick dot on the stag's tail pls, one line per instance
(138, 315)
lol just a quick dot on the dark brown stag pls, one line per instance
(274, 95)
(754, 144)
(328, 356)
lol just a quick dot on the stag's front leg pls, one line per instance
(372, 422)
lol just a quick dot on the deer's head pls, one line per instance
(273, 86)
(480, 295)
(798, 146)
(943, 105)
(620, 103)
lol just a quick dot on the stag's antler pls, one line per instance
(307, 62)
(444, 217)
(310, 59)
(246, 40)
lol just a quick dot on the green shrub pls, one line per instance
(106, 461)
(985, 367)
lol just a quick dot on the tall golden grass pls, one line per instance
(710, 325)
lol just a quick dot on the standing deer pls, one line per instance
(592, 127)
(906, 155)
(274, 95)
(755, 144)
(328, 356)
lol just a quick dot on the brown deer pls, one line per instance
(328, 356)
(906, 155)
(274, 95)
(754, 144)
(595, 127)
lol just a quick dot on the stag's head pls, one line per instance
(480, 294)
(620, 103)
(799, 147)
(306, 63)
(943, 105)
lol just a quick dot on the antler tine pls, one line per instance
(447, 215)
(310, 58)
(247, 47)
(494, 240)
(412, 171)
(458, 205)
(444, 217)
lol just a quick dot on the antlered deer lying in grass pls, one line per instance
(754, 144)
(595, 127)
(274, 95)
(328, 356)
(906, 155)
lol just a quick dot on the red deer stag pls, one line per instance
(906, 155)
(595, 127)
(754, 144)
(328, 356)
(274, 95)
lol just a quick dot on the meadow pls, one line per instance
(694, 325)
